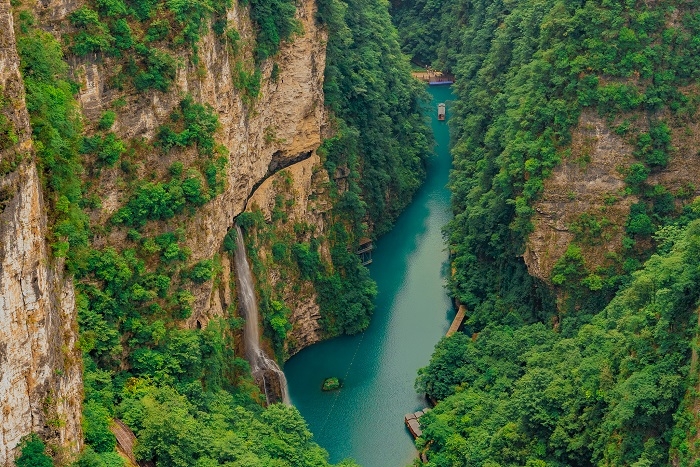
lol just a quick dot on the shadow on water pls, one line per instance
(364, 420)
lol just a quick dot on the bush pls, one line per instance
(89, 458)
(33, 453)
(107, 148)
(636, 174)
(159, 73)
(307, 259)
(96, 420)
(152, 201)
(202, 271)
(93, 36)
(200, 123)
(275, 23)
(107, 120)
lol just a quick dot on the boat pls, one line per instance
(441, 111)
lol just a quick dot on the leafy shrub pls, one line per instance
(192, 189)
(636, 174)
(107, 120)
(33, 453)
(108, 148)
(639, 223)
(93, 35)
(89, 458)
(275, 23)
(202, 271)
(96, 420)
(176, 169)
(200, 122)
(56, 132)
(654, 147)
(152, 201)
(159, 73)
(157, 30)
(112, 7)
(123, 36)
(307, 259)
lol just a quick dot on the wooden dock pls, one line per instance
(412, 421)
(457, 322)
(365, 251)
(433, 77)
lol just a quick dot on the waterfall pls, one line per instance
(266, 373)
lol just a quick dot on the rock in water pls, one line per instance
(331, 384)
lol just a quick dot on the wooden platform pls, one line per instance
(365, 251)
(433, 77)
(412, 421)
(457, 322)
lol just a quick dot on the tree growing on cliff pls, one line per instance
(33, 453)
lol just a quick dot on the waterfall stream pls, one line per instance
(266, 373)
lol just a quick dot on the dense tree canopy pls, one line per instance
(601, 375)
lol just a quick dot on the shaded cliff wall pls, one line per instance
(40, 369)
(303, 189)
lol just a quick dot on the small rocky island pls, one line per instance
(331, 384)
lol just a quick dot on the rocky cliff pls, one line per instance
(40, 370)
(303, 187)
(588, 200)
(283, 125)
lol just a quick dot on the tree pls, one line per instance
(33, 453)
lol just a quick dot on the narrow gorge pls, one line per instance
(189, 193)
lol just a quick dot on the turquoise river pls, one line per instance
(364, 420)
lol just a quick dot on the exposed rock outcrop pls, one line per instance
(581, 184)
(282, 124)
(591, 183)
(40, 369)
(311, 206)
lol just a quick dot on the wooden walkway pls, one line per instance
(365, 251)
(457, 322)
(125, 442)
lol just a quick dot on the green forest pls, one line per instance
(595, 364)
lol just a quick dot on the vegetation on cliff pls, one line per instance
(185, 393)
(381, 135)
(380, 145)
(599, 375)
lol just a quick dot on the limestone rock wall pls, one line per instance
(311, 205)
(284, 122)
(580, 184)
(40, 369)
(591, 182)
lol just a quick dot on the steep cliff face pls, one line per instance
(589, 182)
(40, 370)
(307, 203)
(260, 137)
(590, 186)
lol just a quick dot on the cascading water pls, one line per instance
(266, 373)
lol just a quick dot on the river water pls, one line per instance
(364, 420)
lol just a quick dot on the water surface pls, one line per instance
(364, 420)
